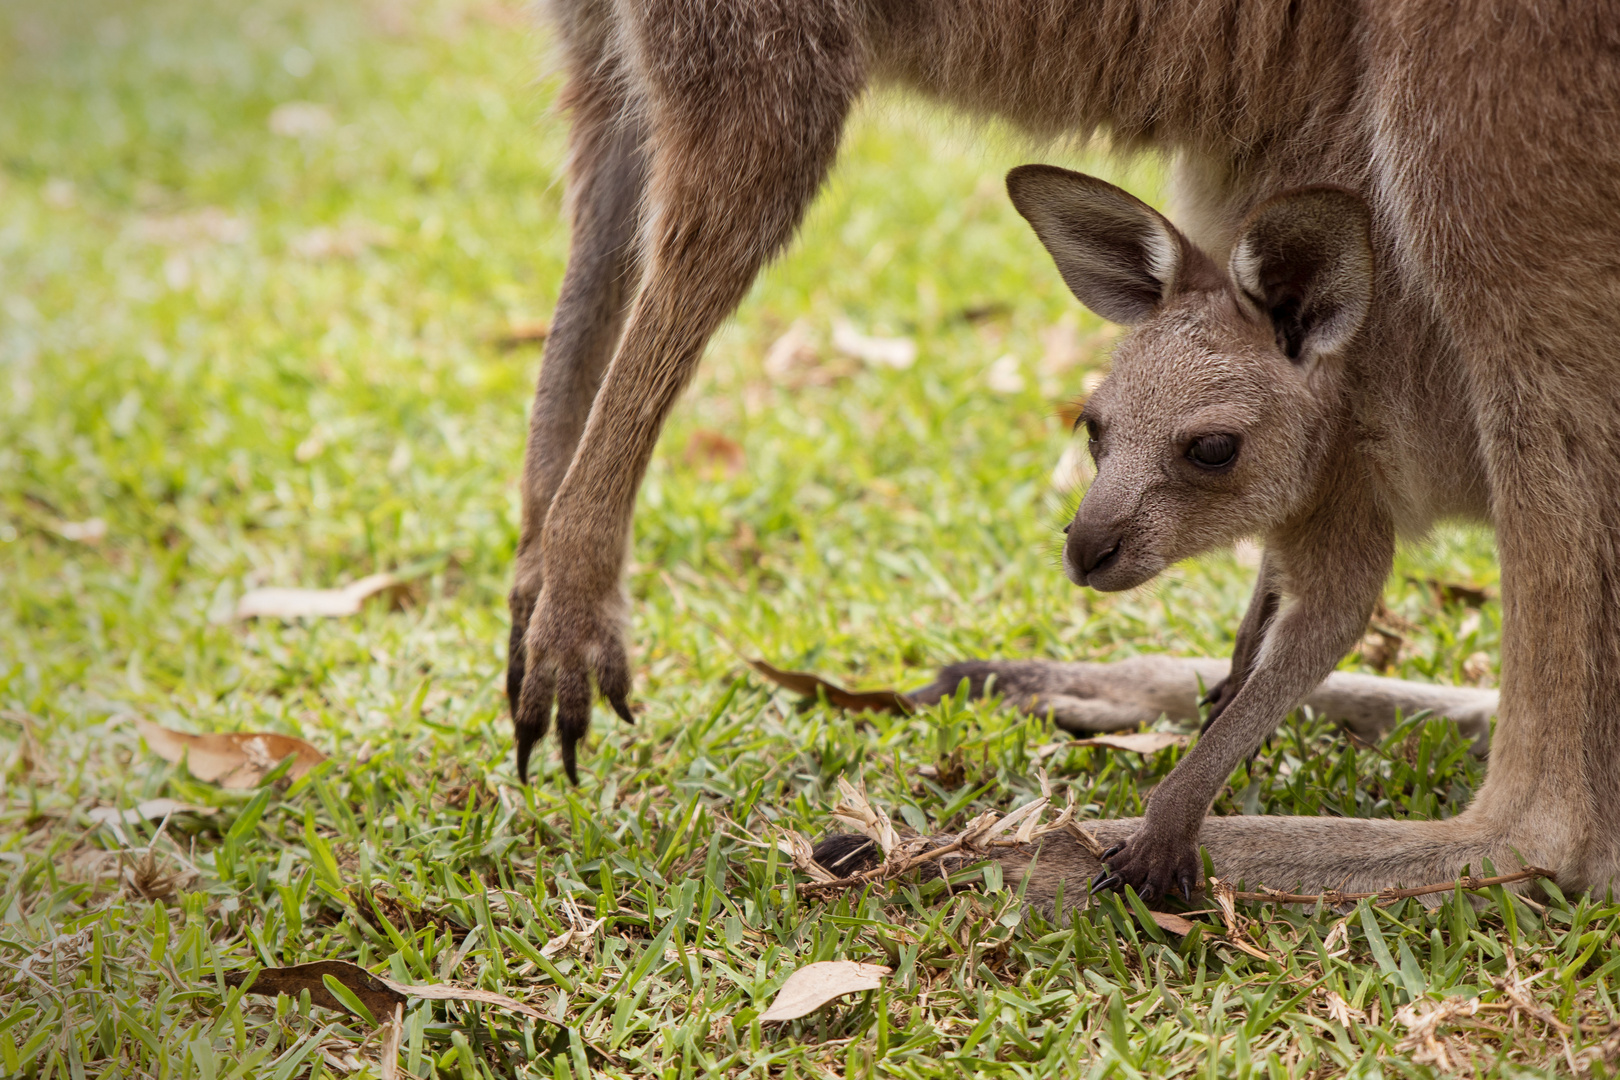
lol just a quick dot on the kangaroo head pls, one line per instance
(1212, 423)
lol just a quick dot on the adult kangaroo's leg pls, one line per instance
(745, 101)
(607, 171)
(1500, 163)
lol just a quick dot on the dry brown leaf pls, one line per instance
(813, 985)
(90, 531)
(1172, 922)
(711, 453)
(1477, 668)
(1140, 742)
(232, 760)
(812, 686)
(897, 353)
(388, 1053)
(276, 603)
(294, 119)
(346, 241)
(381, 996)
(115, 819)
(580, 930)
(856, 810)
(524, 332)
(150, 810)
(796, 847)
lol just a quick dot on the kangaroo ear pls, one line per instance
(1305, 260)
(1118, 255)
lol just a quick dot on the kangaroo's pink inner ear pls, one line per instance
(1118, 255)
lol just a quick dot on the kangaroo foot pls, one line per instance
(1157, 863)
(569, 645)
(1309, 855)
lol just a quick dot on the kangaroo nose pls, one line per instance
(1089, 549)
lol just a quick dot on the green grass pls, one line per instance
(243, 400)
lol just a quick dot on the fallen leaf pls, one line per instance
(207, 225)
(796, 847)
(897, 353)
(1061, 347)
(813, 686)
(276, 603)
(580, 930)
(91, 531)
(856, 810)
(1073, 468)
(1174, 923)
(712, 453)
(381, 996)
(1005, 376)
(1142, 742)
(813, 985)
(524, 332)
(1477, 668)
(978, 313)
(388, 1052)
(150, 810)
(1456, 592)
(1380, 648)
(792, 352)
(232, 760)
(347, 241)
(295, 118)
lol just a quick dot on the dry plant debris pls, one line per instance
(814, 985)
(285, 603)
(231, 759)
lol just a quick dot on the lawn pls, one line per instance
(269, 279)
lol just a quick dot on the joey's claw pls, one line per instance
(1115, 850)
(1104, 881)
(1188, 884)
(1157, 864)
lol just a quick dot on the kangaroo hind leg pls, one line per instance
(745, 104)
(607, 179)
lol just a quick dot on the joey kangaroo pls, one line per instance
(1484, 139)
(1236, 408)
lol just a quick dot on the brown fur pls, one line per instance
(1484, 136)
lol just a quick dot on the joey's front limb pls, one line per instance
(1333, 586)
(1251, 632)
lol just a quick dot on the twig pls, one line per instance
(1389, 896)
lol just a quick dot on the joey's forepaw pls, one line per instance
(1156, 866)
(572, 651)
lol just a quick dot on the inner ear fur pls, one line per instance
(1117, 254)
(1305, 259)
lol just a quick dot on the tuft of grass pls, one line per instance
(259, 358)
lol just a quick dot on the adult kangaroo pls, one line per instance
(1483, 134)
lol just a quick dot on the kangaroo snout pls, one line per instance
(1092, 550)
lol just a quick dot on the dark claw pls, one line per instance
(573, 717)
(1187, 887)
(532, 718)
(622, 707)
(515, 656)
(1115, 850)
(1103, 882)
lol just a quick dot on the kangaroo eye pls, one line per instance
(1093, 433)
(1213, 451)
